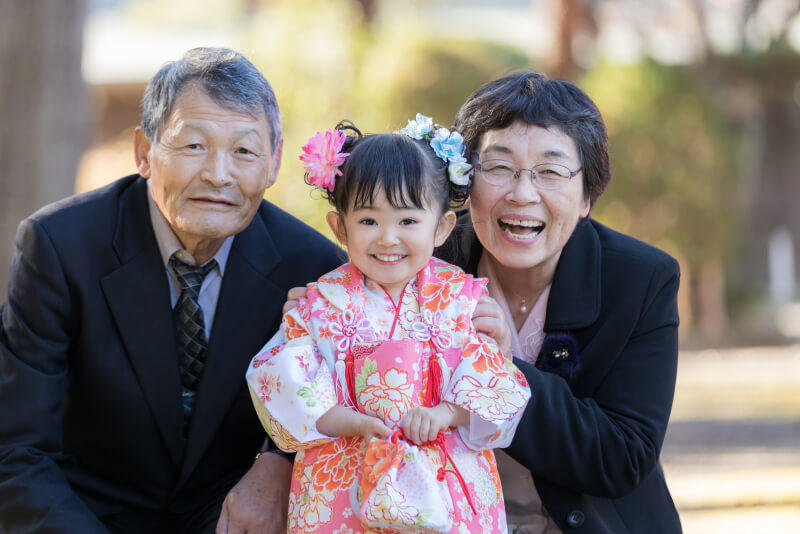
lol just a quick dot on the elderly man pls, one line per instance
(133, 312)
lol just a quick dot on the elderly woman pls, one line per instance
(591, 313)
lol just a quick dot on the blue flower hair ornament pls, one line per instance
(559, 355)
(447, 145)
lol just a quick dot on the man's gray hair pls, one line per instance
(226, 75)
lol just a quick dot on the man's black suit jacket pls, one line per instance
(592, 442)
(90, 413)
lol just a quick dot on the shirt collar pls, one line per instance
(168, 242)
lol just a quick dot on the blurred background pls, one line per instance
(702, 103)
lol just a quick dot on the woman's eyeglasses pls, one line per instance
(503, 173)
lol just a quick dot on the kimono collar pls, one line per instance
(438, 283)
(576, 290)
(343, 287)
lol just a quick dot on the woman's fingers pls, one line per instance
(489, 319)
(293, 297)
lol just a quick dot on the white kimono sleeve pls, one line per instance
(291, 384)
(492, 390)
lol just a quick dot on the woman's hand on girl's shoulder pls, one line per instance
(489, 319)
(293, 298)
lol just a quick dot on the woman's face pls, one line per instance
(521, 225)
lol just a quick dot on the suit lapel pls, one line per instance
(574, 300)
(137, 294)
(248, 302)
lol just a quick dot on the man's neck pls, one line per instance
(201, 250)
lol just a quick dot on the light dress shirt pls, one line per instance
(524, 511)
(168, 243)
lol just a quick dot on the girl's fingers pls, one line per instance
(379, 429)
(407, 423)
(432, 431)
(385, 431)
(424, 427)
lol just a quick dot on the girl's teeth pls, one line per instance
(388, 257)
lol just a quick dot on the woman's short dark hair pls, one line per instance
(407, 170)
(529, 97)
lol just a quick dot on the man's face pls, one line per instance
(208, 170)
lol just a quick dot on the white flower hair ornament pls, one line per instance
(447, 145)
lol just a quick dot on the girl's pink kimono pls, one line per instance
(392, 347)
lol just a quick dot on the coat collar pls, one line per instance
(137, 293)
(576, 291)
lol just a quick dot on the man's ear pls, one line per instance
(141, 151)
(443, 229)
(276, 163)
(337, 227)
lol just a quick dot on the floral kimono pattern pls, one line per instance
(300, 374)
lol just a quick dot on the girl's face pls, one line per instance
(391, 245)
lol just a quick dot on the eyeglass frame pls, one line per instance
(479, 167)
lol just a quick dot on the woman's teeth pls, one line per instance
(522, 229)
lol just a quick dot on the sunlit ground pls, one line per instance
(732, 451)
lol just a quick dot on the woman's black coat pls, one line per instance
(592, 442)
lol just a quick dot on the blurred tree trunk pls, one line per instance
(43, 109)
(370, 9)
(573, 19)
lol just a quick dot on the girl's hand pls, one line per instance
(421, 424)
(340, 422)
(293, 298)
(371, 427)
(490, 320)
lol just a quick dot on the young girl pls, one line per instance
(380, 356)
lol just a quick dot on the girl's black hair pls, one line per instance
(407, 169)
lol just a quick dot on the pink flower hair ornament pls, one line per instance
(322, 157)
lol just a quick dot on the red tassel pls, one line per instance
(349, 373)
(433, 395)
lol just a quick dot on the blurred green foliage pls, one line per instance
(333, 66)
(674, 161)
(674, 151)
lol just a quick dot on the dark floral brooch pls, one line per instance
(559, 355)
